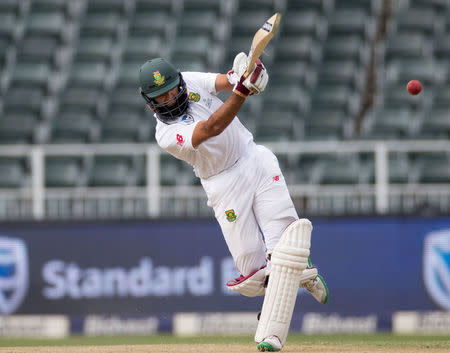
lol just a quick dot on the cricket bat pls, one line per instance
(261, 38)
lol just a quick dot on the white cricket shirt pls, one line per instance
(215, 154)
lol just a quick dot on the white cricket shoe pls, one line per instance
(315, 284)
(270, 344)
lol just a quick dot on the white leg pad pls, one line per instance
(289, 260)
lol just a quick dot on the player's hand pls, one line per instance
(254, 83)
(257, 80)
(239, 67)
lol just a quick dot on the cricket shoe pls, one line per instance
(315, 284)
(270, 344)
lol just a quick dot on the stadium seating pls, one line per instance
(69, 73)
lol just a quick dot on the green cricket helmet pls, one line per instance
(157, 76)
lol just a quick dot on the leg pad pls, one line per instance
(289, 260)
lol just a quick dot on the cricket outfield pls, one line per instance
(229, 344)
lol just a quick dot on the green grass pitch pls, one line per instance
(377, 340)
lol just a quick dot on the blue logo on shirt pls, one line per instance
(187, 119)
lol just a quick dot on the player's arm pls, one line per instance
(223, 84)
(218, 121)
(223, 116)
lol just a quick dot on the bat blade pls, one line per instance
(261, 38)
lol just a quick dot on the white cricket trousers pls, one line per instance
(248, 198)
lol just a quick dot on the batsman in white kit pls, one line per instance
(243, 183)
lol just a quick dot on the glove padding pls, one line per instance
(255, 82)
(239, 67)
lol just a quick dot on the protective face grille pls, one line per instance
(169, 111)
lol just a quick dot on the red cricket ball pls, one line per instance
(414, 87)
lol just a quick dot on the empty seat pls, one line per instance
(322, 123)
(94, 49)
(442, 48)
(253, 19)
(440, 6)
(309, 23)
(103, 23)
(399, 167)
(417, 20)
(351, 21)
(426, 70)
(70, 127)
(436, 123)
(365, 5)
(142, 48)
(390, 122)
(176, 172)
(23, 98)
(339, 170)
(335, 97)
(100, 6)
(154, 5)
(37, 49)
(129, 74)
(345, 47)
(31, 74)
(92, 74)
(441, 97)
(154, 23)
(197, 47)
(406, 46)
(121, 127)
(303, 48)
(111, 171)
(17, 127)
(434, 167)
(292, 71)
(47, 24)
(128, 98)
(290, 96)
(275, 125)
(80, 99)
(63, 172)
(8, 22)
(248, 5)
(190, 23)
(12, 173)
(340, 73)
(9, 6)
(305, 5)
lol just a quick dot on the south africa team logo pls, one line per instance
(158, 78)
(194, 96)
(231, 216)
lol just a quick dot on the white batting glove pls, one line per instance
(239, 67)
(256, 82)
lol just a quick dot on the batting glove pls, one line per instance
(254, 83)
(239, 67)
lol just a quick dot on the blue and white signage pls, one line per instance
(436, 267)
(13, 274)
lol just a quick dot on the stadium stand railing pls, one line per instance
(135, 180)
